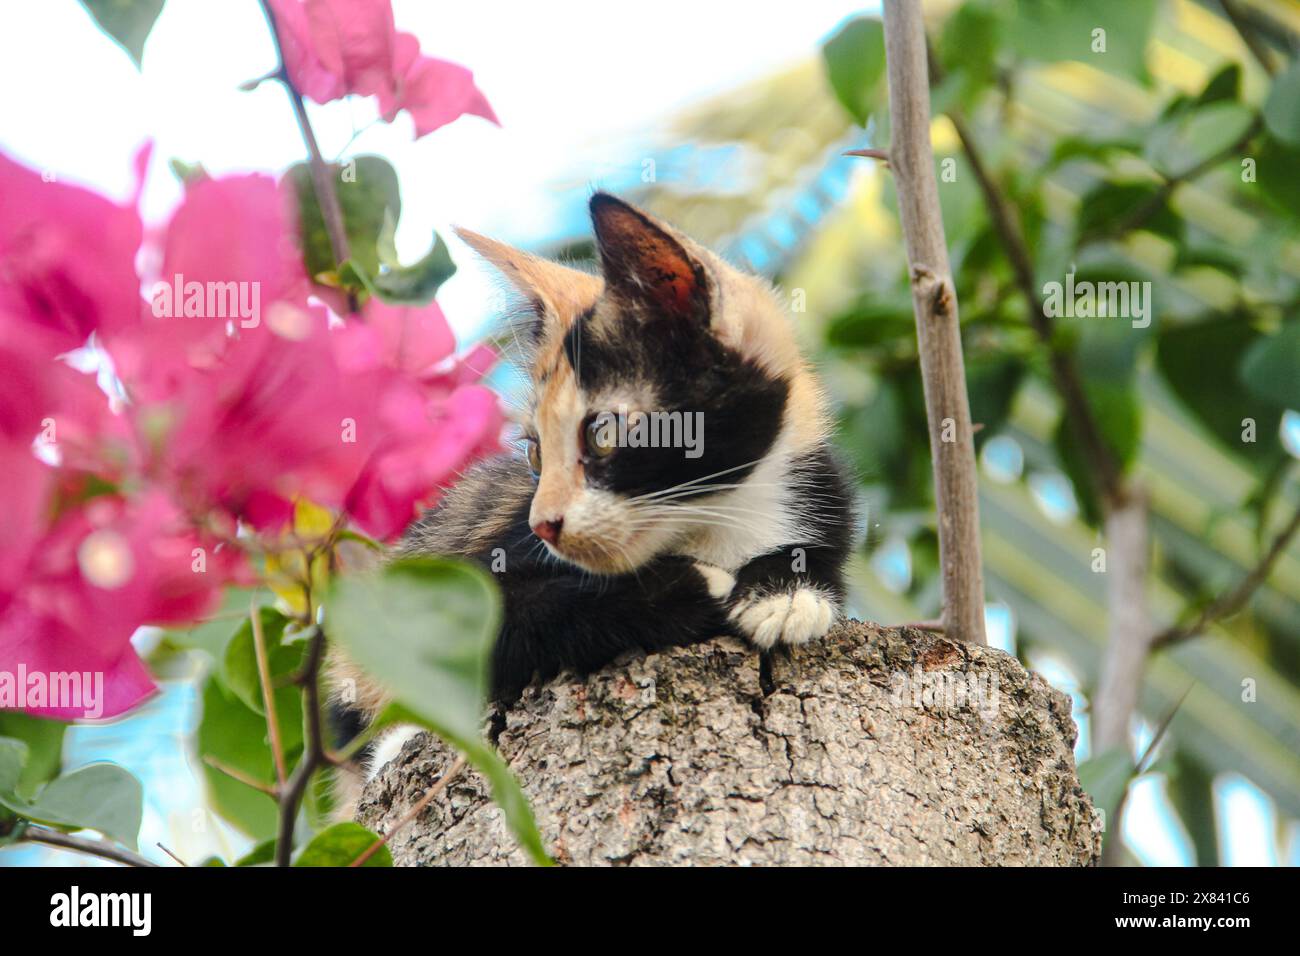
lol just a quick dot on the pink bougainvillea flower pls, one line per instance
(38, 649)
(422, 458)
(29, 484)
(50, 414)
(275, 419)
(333, 48)
(67, 258)
(99, 574)
(230, 259)
(411, 339)
(466, 368)
(433, 91)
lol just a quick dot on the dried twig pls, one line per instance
(268, 692)
(1128, 546)
(938, 334)
(171, 854)
(100, 848)
(236, 774)
(1232, 601)
(313, 755)
(1248, 36)
(321, 177)
(1065, 373)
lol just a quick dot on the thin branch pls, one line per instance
(934, 300)
(1112, 852)
(171, 854)
(321, 177)
(1232, 601)
(100, 848)
(1248, 36)
(414, 812)
(268, 692)
(1141, 214)
(1065, 374)
(236, 774)
(313, 756)
(1128, 642)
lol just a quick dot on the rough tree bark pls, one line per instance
(874, 746)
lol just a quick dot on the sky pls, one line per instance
(581, 89)
(576, 92)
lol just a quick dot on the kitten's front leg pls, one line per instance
(790, 596)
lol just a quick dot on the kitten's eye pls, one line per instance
(535, 457)
(600, 437)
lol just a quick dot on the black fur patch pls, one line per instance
(690, 371)
(825, 507)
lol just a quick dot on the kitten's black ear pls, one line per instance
(643, 262)
(556, 293)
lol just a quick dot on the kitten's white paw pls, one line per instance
(791, 617)
(718, 581)
(387, 746)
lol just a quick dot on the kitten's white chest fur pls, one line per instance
(755, 519)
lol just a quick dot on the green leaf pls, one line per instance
(991, 383)
(1275, 173)
(126, 21)
(1109, 204)
(236, 736)
(1180, 144)
(872, 322)
(239, 664)
(1085, 147)
(1191, 790)
(101, 797)
(855, 63)
(424, 627)
(263, 852)
(1270, 368)
(13, 757)
(340, 845)
(1050, 30)
(417, 283)
(368, 193)
(1118, 416)
(1223, 85)
(1218, 400)
(1105, 777)
(968, 50)
(44, 740)
(1282, 108)
(186, 172)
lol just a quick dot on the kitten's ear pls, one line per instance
(556, 293)
(644, 262)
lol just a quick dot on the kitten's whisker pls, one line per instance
(696, 481)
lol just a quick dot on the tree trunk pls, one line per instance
(874, 746)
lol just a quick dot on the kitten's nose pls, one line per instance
(549, 531)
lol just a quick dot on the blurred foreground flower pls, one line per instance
(239, 397)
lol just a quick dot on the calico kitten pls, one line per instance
(602, 545)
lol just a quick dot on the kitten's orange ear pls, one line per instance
(557, 293)
(644, 262)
